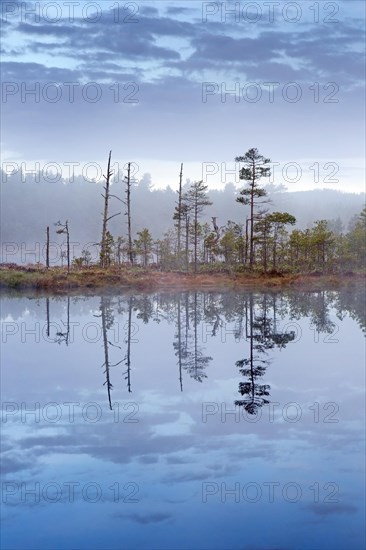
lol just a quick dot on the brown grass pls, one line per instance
(57, 279)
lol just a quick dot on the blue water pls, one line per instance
(129, 437)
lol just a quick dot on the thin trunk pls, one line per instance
(275, 249)
(180, 347)
(48, 248)
(265, 248)
(195, 236)
(128, 192)
(48, 316)
(274, 315)
(106, 356)
(251, 259)
(195, 334)
(187, 242)
(246, 243)
(251, 351)
(187, 320)
(128, 356)
(103, 252)
(180, 211)
(68, 246)
(68, 321)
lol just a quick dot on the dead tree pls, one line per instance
(106, 314)
(48, 316)
(128, 212)
(64, 228)
(179, 211)
(48, 247)
(127, 358)
(104, 252)
(60, 335)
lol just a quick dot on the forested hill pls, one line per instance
(28, 206)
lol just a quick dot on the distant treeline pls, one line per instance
(28, 207)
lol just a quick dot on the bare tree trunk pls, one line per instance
(128, 193)
(180, 346)
(68, 245)
(68, 322)
(106, 351)
(48, 248)
(128, 354)
(180, 210)
(103, 252)
(48, 316)
(187, 242)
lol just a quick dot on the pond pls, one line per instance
(206, 420)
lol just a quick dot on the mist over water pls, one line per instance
(184, 420)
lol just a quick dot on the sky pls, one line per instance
(160, 83)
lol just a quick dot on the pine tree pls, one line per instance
(196, 198)
(255, 167)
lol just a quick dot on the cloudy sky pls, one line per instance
(166, 82)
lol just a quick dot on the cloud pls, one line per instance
(154, 517)
(131, 41)
(28, 72)
(12, 462)
(169, 53)
(176, 10)
(325, 509)
(307, 49)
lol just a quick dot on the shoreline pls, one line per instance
(57, 280)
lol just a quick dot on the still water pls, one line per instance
(194, 420)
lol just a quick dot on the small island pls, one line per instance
(262, 250)
(59, 280)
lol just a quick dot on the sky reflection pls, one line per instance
(174, 463)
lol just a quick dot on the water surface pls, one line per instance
(192, 420)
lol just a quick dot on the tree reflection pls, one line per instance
(48, 316)
(127, 358)
(107, 317)
(61, 336)
(178, 345)
(191, 357)
(262, 335)
(253, 316)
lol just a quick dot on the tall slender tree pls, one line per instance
(128, 212)
(255, 168)
(105, 249)
(178, 214)
(103, 252)
(48, 247)
(196, 199)
(127, 358)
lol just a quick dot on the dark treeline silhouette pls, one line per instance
(255, 323)
(197, 226)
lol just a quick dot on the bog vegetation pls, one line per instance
(263, 241)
